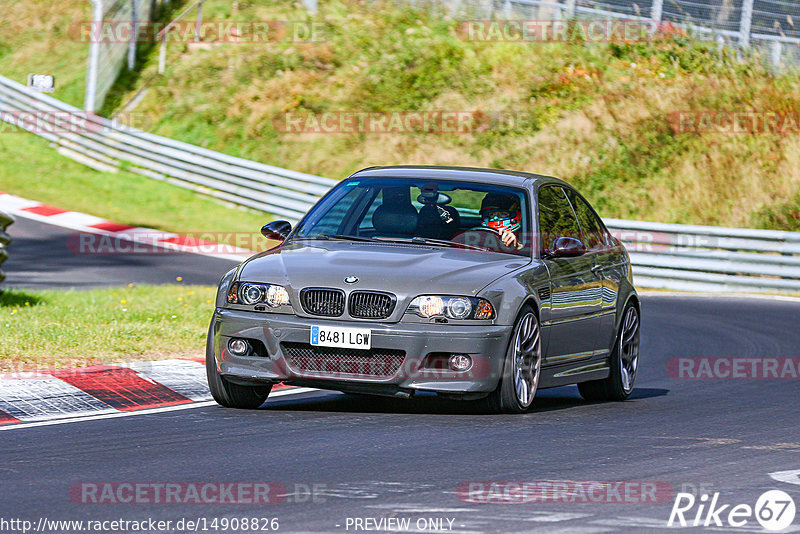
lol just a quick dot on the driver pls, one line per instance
(502, 214)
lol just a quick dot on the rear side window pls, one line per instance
(556, 218)
(594, 236)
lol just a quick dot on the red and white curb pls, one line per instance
(82, 222)
(31, 399)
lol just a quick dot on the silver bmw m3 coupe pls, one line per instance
(475, 284)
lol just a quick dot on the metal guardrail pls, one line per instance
(767, 25)
(5, 239)
(668, 256)
(103, 144)
(710, 258)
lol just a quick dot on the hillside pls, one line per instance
(600, 115)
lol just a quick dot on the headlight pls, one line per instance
(249, 294)
(277, 296)
(451, 307)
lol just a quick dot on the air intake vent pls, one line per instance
(544, 293)
(335, 362)
(322, 301)
(371, 304)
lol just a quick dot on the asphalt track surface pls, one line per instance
(44, 256)
(372, 457)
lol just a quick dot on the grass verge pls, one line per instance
(61, 329)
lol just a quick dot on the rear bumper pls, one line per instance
(486, 345)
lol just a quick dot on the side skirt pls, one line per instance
(574, 372)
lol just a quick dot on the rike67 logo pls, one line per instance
(774, 510)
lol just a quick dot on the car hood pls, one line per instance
(405, 270)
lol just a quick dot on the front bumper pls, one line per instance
(486, 345)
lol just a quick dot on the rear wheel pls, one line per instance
(227, 393)
(522, 367)
(624, 363)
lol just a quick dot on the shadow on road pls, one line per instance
(562, 398)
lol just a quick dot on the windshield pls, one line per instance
(426, 212)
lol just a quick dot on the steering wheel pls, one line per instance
(483, 229)
(491, 241)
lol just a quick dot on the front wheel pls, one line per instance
(624, 363)
(521, 369)
(227, 393)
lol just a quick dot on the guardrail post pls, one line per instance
(162, 54)
(311, 6)
(569, 9)
(657, 10)
(198, 22)
(90, 97)
(775, 53)
(132, 43)
(745, 23)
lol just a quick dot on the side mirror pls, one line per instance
(567, 247)
(277, 230)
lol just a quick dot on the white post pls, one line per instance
(132, 43)
(746, 22)
(311, 6)
(570, 9)
(775, 54)
(162, 54)
(657, 10)
(198, 23)
(90, 97)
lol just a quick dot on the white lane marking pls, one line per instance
(75, 219)
(537, 517)
(149, 411)
(562, 529)
(790, 477)
(14, 203)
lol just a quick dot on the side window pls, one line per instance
(556, 218)
(594, 237)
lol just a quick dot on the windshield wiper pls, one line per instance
(430, 241)
(340, 237)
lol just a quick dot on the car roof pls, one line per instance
(466, 174)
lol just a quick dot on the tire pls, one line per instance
(522, 367)
(227, 393)
(624, 362)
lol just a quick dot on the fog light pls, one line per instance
(239, 347)
(460, 362)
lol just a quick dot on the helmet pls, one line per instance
(501, 212)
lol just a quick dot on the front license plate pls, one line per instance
(346, 338)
